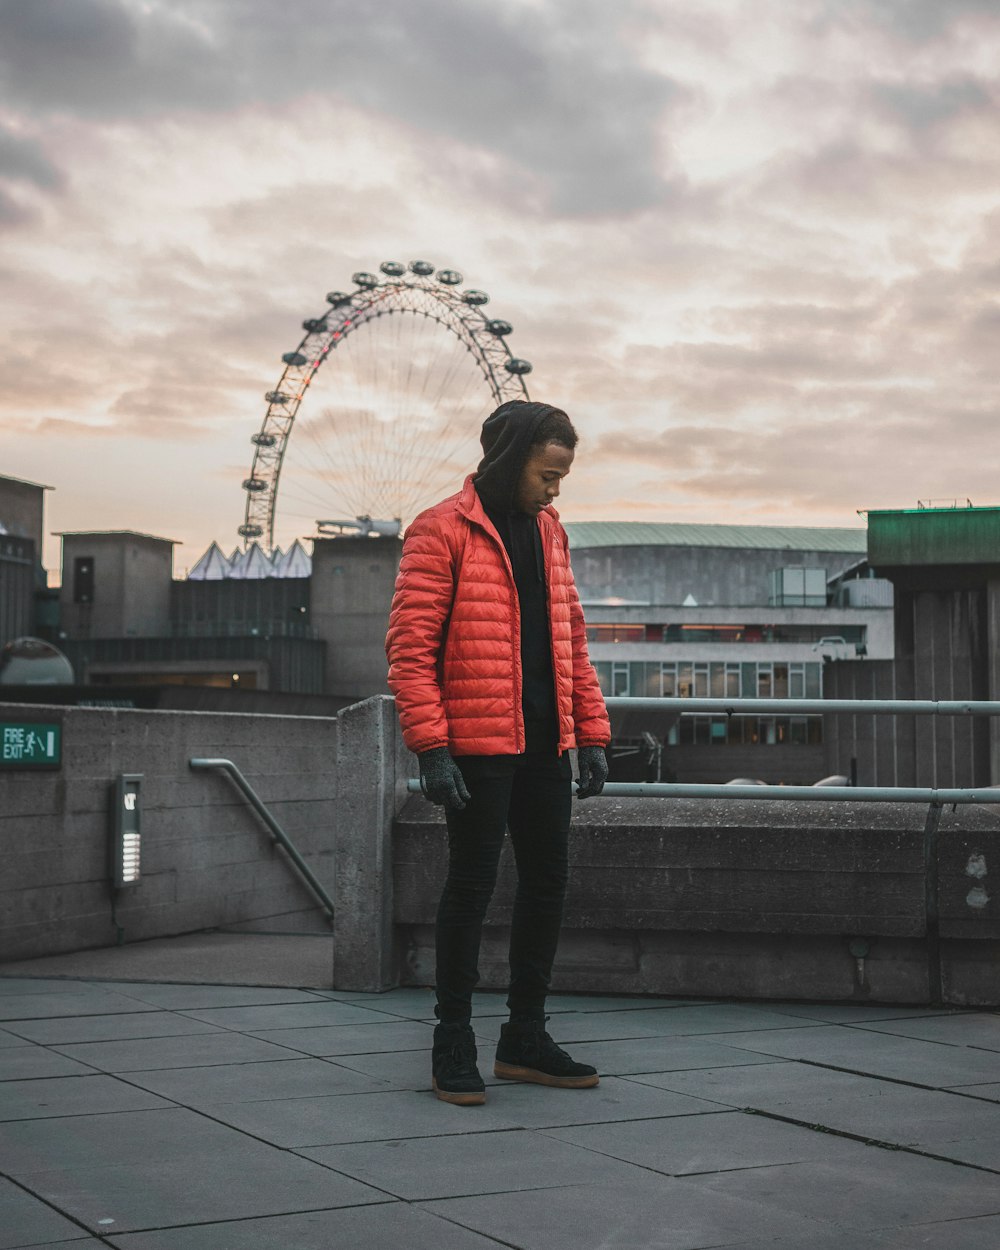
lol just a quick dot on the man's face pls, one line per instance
(542, 476)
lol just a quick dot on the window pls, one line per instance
(620, 679)
(83, 579)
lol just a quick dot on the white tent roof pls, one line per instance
(212, 567)
(253, 566)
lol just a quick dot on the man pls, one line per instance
(488, 662)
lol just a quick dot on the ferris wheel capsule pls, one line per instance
(263, 440)
(517, 365)
(254, 484)
(475, 297)
(364, 280)
(499, 328)
(295, 358)
(336, 298)
(450, 277)
(422, 267)
(277, 397)
(250, 531)
(312, 324)
(392, 268)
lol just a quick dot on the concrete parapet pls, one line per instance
(207, 861)
(744, 899)
(373, 766)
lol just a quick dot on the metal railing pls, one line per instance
(278, 834)
(799, 707)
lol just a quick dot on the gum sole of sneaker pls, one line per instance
(475, 1099)
(508, 1072)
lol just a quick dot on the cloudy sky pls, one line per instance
(752, 246)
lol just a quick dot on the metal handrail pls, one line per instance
(277, 833)
(813, 794)
(800, 707)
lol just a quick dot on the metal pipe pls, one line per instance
(276, 831)
(810, 794)
(799, 707)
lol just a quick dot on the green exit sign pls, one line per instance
(30, 745)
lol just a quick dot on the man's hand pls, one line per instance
(593, 771)
(441, 779)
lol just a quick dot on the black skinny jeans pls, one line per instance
(532, 796)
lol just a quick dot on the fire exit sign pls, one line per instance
(29, 745)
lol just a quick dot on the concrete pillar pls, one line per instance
(372, 769)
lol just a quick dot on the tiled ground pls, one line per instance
(170, 1117)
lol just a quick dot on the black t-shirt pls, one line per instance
(523, 542)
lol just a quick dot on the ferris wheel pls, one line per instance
(391, 426)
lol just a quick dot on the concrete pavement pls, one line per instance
(153, 1115)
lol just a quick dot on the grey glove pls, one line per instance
(441, 779)
(593, 771)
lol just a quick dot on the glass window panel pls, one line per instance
(717, 680)
(796, 681)
(701, 681)
(732, 690)
(668, 676)
(764, 684)
(749, 681)
(684, 681)
(637, 677)
(619, 679)
(781, 681)
(651, 685)
(603, 669)
(814, 681)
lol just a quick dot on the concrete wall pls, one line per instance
(352, 585)
(207, 860)
(734, 898)
(132, 577)
(22, 509)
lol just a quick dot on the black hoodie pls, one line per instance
(507, 441)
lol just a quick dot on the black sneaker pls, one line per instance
(525, 1052)
(456, 1078)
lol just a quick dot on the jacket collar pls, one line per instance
(471, 507)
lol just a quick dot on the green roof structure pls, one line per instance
(583, 534)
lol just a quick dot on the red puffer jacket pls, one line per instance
(454, 643)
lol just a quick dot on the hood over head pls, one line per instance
(507, 437)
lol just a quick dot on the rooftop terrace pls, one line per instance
(167, 1114)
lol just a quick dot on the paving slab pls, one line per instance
(298, 1122)
(256, 1082)
(929, 1121)
(657, 1021)
(878, 1054)
(662, 1054)
(21, 1063)
(70, 1095)
(79, 1002)
(396, 1226)
(181, 997)
(287, 1015)
(31, 985)
(855, 1013)
(147, 1053)
(718, 1142)
(976, 1233)
(411, 1069)
(448, 1167)
(25, 1221)
(981, 1030)
(247, 1180)
(160, 1135)
(109, 1028)
(659, 1212)
(8, 1039)
(855, 1191)
(353, 1039)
